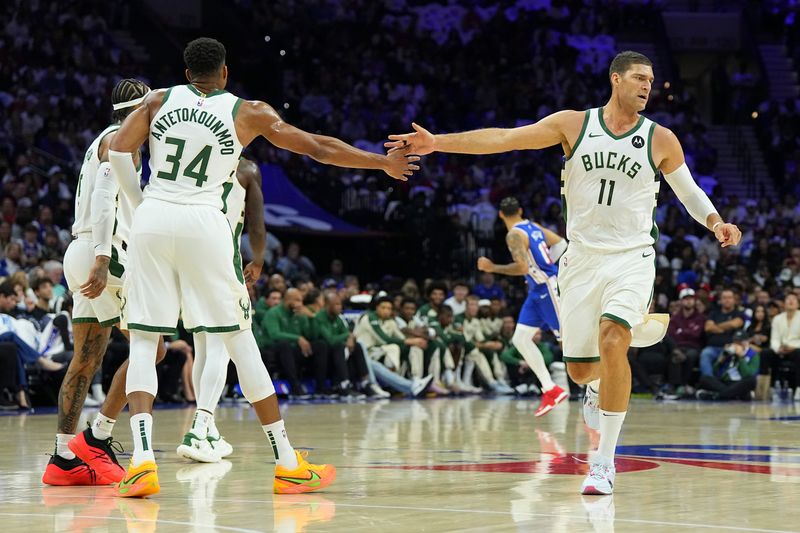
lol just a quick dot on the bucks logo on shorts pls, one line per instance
(245, 308)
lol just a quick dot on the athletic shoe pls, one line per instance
(99, 455)
(62, 472)
(501, 388)
(220, 446)
(600, 479)
(418, 385)
(197, 449)
(439, 389)
(591, 408)
(550, 399)
(703, 394)
(139, 481)
(305, 478)
(374, 390)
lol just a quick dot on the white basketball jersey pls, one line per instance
(83, 196)
(194, 149)
(610, 186)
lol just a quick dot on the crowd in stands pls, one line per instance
(451, 68)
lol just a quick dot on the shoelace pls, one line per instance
(599, 471)
(114, 445)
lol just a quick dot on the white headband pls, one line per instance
(130, 103)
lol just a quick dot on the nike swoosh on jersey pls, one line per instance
(593, 135)
(648, 255)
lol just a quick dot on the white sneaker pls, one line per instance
(196, 449)
(591, 408)
(418, 385)
(600, 479)
(220, 446)
(378, 392)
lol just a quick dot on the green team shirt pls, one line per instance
(511, 356)
(428, 314)
(332, 329)
(280, 324)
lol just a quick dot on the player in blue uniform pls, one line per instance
(532, 248)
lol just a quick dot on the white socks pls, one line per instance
(284, 453)
(212, 429)
(523, 342)
(142, 429)
(102, 426)
(202, 419)
(62, 448)
(610, 426)
(595, 385)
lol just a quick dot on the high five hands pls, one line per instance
(420, 142)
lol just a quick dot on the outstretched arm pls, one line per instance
(517, 246)
(549, 131)
(668, 151)
(259, 119)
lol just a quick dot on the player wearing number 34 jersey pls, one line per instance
(182, 252)
(614, 157)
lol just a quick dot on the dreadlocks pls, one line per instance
(125, 91)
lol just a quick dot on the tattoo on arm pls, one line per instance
(516, 245)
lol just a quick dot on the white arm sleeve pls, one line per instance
(690, 194)
(104, 209)
(125, 171)
(558, 249)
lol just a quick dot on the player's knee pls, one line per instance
(522, 335)
(582, 373)
(614, 337)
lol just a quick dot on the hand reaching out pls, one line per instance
(485, 264)
(399, 164)
(421, 142)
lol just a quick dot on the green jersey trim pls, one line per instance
(85, 320)
(586, 116)
(196, 91)
(109, 322)
(153, 329)
(615, 318)
(214, 329)
(235, 109)
(166, 96)
(608, 131)
(650, 146)
(114, 266)
(587, 359)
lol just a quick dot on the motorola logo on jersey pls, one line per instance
(637, 141)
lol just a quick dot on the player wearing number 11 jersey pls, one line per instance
(182, 252)
(614, 157)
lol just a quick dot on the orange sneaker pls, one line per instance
(550, 399)
(139, 481)
(99, 455)
(61, 472)
(305, 478)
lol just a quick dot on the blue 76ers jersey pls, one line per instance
(540, 266)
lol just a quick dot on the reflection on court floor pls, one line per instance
(440, 465)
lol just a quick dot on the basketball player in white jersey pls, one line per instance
(610, 186)
(245, 202)
(95, 274)
(182, 251)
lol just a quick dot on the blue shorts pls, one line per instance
(540, 310)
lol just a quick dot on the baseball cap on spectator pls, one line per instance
(484, 303)
(688, 291)
(740, 336)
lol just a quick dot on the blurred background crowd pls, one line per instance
(450, 66)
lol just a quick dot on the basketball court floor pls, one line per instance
(466, 465)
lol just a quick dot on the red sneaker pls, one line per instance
(98, 455)
(550, 399)
(64, 472)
